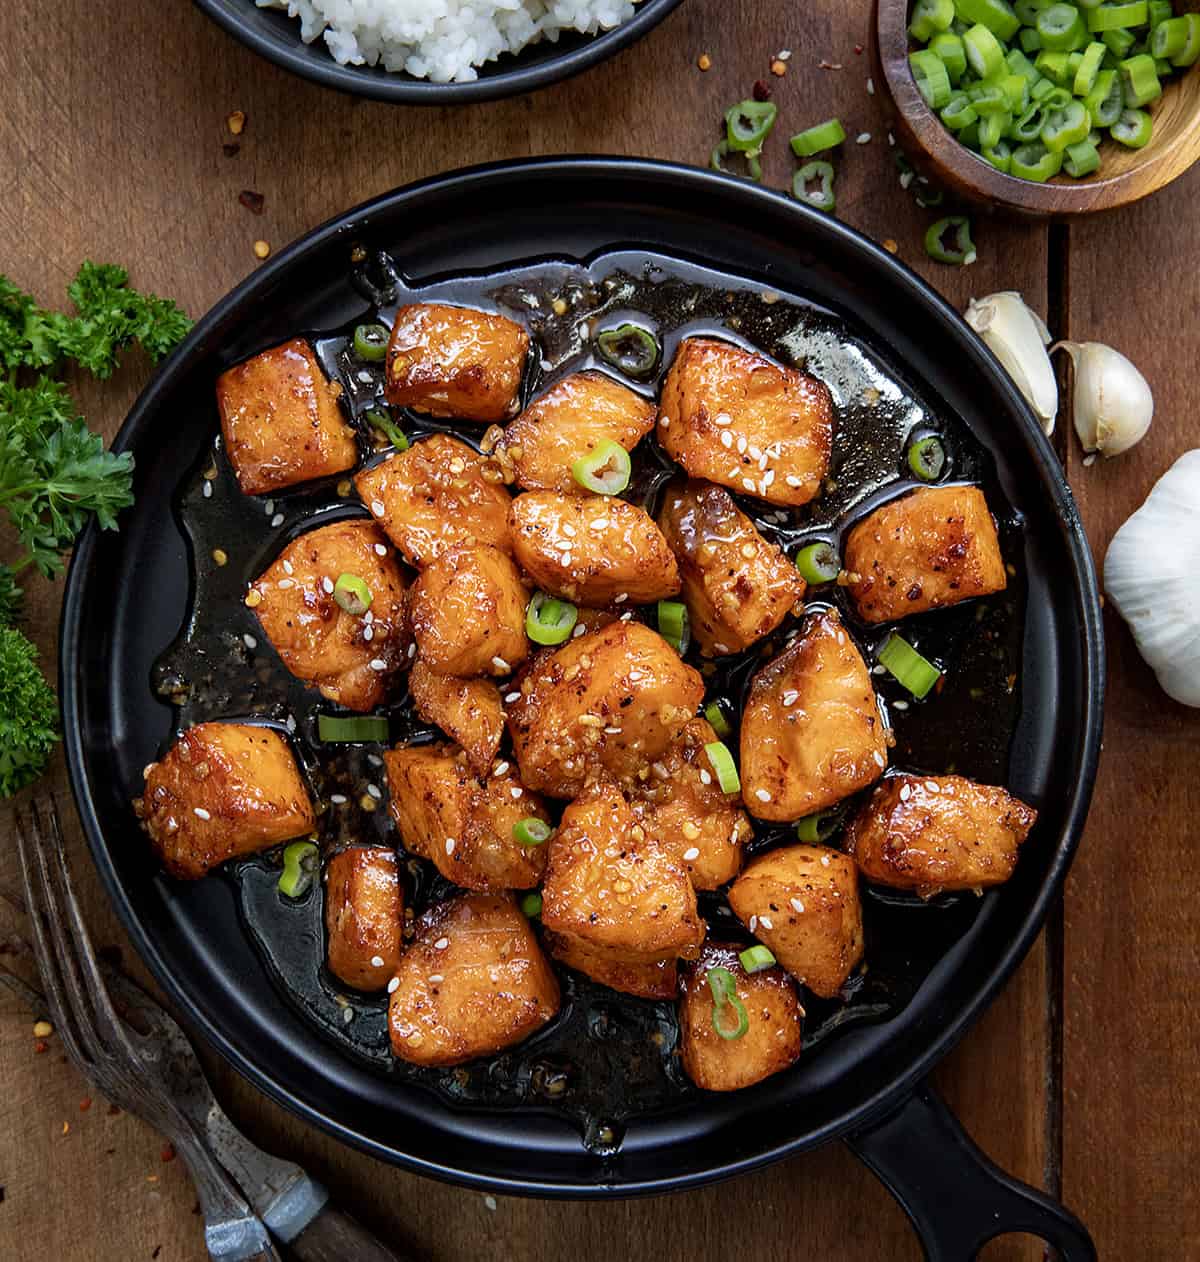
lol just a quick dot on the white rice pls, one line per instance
(443, 40)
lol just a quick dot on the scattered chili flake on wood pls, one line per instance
(704, 61)
(858, 50)
(168, 1153)
(236, 122)
(85, 1104)
(113, 1110)
(66, 1130)
(42, 1029)
(253, 202)
(890, 245)
(828, 65)
(151, 1178)
(157, 1251)
(778, 68)
(762, 91)
(40, 1046)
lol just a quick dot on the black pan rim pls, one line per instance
(402, 89)
(698, 182)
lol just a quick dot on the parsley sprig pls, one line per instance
(54, 471)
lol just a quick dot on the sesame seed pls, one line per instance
(863, 138)
(377, 663)
(347, 1015)
(207, 492)
(393, 985)
(723, 418)
(338, 799)
(377, 961)
(932, 786)
(879, 759)
(750, 484)
(797, 905)
(755, 453)
(891, 139)
(599, 524)
(375, 791)
(665, 422)
(692, 853)
(620, 598)
(899, 705)
(381, 549)
(568, 530)
(566, 558)
(905, 792)
(726, 438)
(287, 567)
(705, 778)
(765, 923)
(249, 641)
(753, 923)
(412, 651)
(450, 844)
(516, 791)
(870, 87)
(768, 478)
(792, 480)
(368, 633)
(277, 520)
(762, 795)
(500, 768)
(741, 445)
(147, 769)
(789, 698)
(434, 978)
(612, 731)
(441, 944)
(375, 760)
(377, 508)
(824, 860)
(500, 664)
(200, 812)
(510, 697)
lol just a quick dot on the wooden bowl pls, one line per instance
(1124, 176)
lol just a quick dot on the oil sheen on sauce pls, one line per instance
(606, 1057)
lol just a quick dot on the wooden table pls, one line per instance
(1083, 1075)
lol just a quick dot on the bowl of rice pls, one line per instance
(437, 52)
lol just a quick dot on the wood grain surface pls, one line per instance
(112, 128)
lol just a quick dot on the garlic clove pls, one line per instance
(1150, 576)
(1017, 336)
(1113, 402)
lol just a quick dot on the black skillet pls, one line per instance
(127, 596)
(272, 34)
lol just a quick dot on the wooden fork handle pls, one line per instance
(334, 1236)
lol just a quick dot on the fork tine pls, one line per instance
(62, 989)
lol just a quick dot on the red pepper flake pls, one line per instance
(85, 1104)
(253, 202)
(779, 67)
(151, 1178)
(40, 1046)
(66, 1130)
(113, 1110)
(890, 245)
(168, 1153)
(762, 91)
(858, 50)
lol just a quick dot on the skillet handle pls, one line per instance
(333, 1236)
(955, 1196)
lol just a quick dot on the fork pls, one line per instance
(119, 1060)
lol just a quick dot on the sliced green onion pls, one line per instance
(1089, 68)
(819, 827)
(1054, 66)
(549, 620)
(1081, 159)
(756, 958)
(818, 563)
(337, 729)
(371, 342)
(929, 17)
(927, 458)
(999, 155)
(722, 763)
(631, 349)
(352, 594)
(1061, 26)
(1016, 91)
(1105, 101)
(992, 129)
(605, 469)
(1031, 41)
(725, 1001)
(826, 135)
(822, 196)
(1190, 53)
(1028, 10)
(950, 51)
(987, 98)
(962, 250)
(748, 124)
(300, 862)
(674, 625)
(1133, 129)
(388, 428)
(1035, 162)
(997, 15)
(531, 831)
(722, 151)
(1029, 126)
(958, 112)
(1118, 17)
(930, 74)
(1018, 63)
(717, 720)
(1139, 81)
(915, 672)
(1118, 41)
(985, 55)
(531, 906)
(1159, 11)
(1065, 126)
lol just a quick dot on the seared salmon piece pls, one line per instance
(364, 916)
(469, 711)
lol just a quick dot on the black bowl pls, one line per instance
(275, 36)
(128, 592)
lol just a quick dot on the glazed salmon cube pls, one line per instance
(658, 979)
(223, 790)
(568, 421)
(281, 421)
(682, 808)
(774, 1023)
(935, 833)
(734, 417)
(350, 658)
(802, 902)
(737, 587)
(467, 710)
(473, 982)
(591, 549)
(926, 550)
(611, 700)
(811, 730)
(364, 916)
(468, 612)
(436, 494)
(608, 885)
(453, 361)
(463, 823)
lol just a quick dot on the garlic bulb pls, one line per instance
(1018, 338)
(1113, 403)
(1150, 576)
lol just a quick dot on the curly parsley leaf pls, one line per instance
(28, 713)
(10, 596)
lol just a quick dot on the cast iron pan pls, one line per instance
(272, 34)
(127, 596)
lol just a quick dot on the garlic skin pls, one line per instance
(1018, 338)
(1113, 402)
(1150, 575)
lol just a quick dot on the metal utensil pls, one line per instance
(137, 1056)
